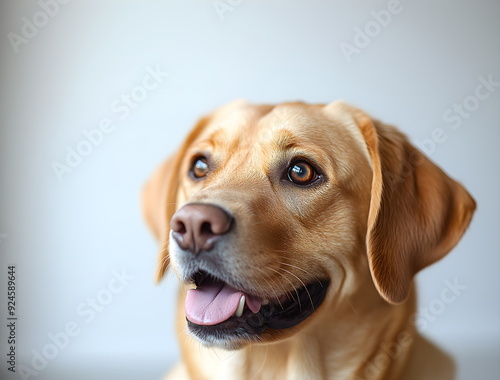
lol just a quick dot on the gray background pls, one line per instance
(66, 238)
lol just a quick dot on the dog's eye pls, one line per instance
(302, 173)
(200, 167)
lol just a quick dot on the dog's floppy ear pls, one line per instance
(159, 198)
(417, 213)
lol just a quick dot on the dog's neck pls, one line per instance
(319, 353)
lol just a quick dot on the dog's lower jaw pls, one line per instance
(224, 344)
(381, 354)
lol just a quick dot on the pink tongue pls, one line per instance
(214, 303)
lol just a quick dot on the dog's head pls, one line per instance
(272, 213)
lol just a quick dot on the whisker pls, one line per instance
(276, 283)
(286, 278)
(304, 285)
(313, 276)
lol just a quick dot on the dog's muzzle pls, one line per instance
(220, 307)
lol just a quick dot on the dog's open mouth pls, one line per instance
(217, 310)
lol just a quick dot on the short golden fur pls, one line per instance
(383, 212)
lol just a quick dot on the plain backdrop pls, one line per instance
(69, 237)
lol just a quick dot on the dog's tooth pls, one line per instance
(241, 306)
(265, 302)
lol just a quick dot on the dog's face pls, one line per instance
(272, 214)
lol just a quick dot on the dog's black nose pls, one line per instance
(196, 227)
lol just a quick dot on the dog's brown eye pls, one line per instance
(302, 173)
(200, 167)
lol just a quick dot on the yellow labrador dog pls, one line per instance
(296, 231)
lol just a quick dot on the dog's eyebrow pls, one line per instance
(286, 140)
(216, 139)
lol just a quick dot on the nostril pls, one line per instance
(206, 228)
(178, 225)
(181, 228)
